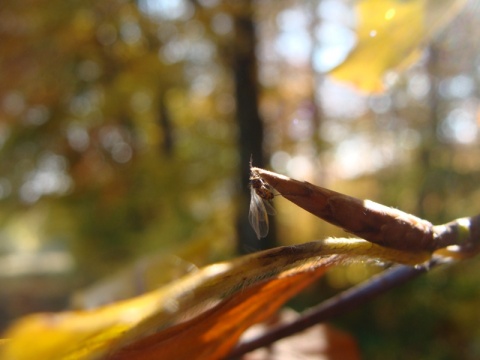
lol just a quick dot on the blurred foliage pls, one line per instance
(104, 123)
(117, 135)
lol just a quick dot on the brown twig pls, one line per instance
(338, 304)
(377, 223)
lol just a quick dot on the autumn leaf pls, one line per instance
(389, 37)
(203, 313)
(213, 334)
(221, 301)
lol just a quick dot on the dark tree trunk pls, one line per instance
(165, 123)
(249, 123)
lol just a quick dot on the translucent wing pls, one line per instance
(258, 215)
(268, 206)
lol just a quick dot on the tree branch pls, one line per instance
(347, 300)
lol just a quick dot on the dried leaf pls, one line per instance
(235, 295)
(203, 313)
(213, 334)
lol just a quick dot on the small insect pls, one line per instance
(260, 203)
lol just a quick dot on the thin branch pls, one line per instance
(378, 223)
(340, 303)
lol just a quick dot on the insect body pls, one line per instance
(260, 204)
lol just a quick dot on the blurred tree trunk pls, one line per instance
(249, 122)
(431, 162)
(428, 132)
(165, 122)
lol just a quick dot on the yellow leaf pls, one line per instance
(213, 334)
(222, 300)
(389, 37)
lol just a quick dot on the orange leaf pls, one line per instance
(213, 334)
(237, 294)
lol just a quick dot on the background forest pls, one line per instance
(126, 130)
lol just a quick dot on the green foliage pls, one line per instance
(123, 140)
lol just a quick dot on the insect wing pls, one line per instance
(258, 215)
(269, 207)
